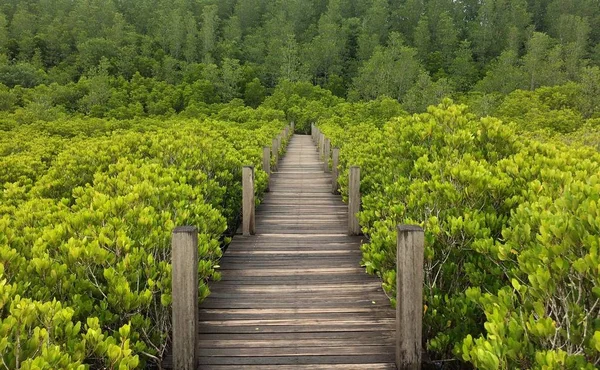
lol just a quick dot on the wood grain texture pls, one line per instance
(248, 207)
(353, 200)
(409, 297)
(294, 295)
(335, 162)
(185, 296)
(326, 155)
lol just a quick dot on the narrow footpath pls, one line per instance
(294, 295)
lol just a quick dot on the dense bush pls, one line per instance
(88, 207)
(511, 231)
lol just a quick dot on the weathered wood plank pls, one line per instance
(294, 295)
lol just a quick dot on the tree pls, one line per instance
(254, 93)
(22, 29)
(425, 92)
(542, 63)
(391, 71)
(230, 46)
(374, 29)
(3, 33)
(499, 23)
(503, 75)
(208, 32)
(590, 90)
(190, 48)
(231, 77)
(405, 15)
(326, 51)
(291, 68)
(574, 33)
(463, 70)
(422, 38)
(249, 13)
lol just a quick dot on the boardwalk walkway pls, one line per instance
(294, 295)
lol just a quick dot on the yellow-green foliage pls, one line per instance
(511, 233)
(85, 230)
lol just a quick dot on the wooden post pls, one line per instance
(312, 132)
(293, 127)
(321, 145)
(279, 142)
(184, 281)
(275, 153)
(248, 200)
(335, 159)
(354, 201)
(326, 150)
(266, 164)
(409, 297)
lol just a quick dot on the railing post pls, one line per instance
(184, 280)
(248, 201)
(275, 153)
(326, 151)
(266, 164)
(335, 159)
(409, 297)
(293, 127)
(353, 200)
(321, 144)
(312, 132)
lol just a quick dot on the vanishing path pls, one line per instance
(294, 295)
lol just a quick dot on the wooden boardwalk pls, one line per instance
(294, 295)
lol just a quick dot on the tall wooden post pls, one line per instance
(409, 297)
(335, 159)
(353, 200)
(266, 164)
(293, 127)
(321, 145)
(279, 142)
(312, 132)
(275, 153)
(326, 150)
(184, 280)
(248, 201)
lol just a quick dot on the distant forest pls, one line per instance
(415, 51)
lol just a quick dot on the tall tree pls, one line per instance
(23, 27)
(374, 28)
(542, 63)
(426, 92)
(496, 23)
(3, 33)
(231, 78)
(190, 48)
(391, 71)
(463, 70)
(503, 75)
(208, 32)
(326, 51)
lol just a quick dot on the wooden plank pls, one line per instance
(296, 360)
(295, 295)
(321, 350)
(371, 366)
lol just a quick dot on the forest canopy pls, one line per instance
(415, 51)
